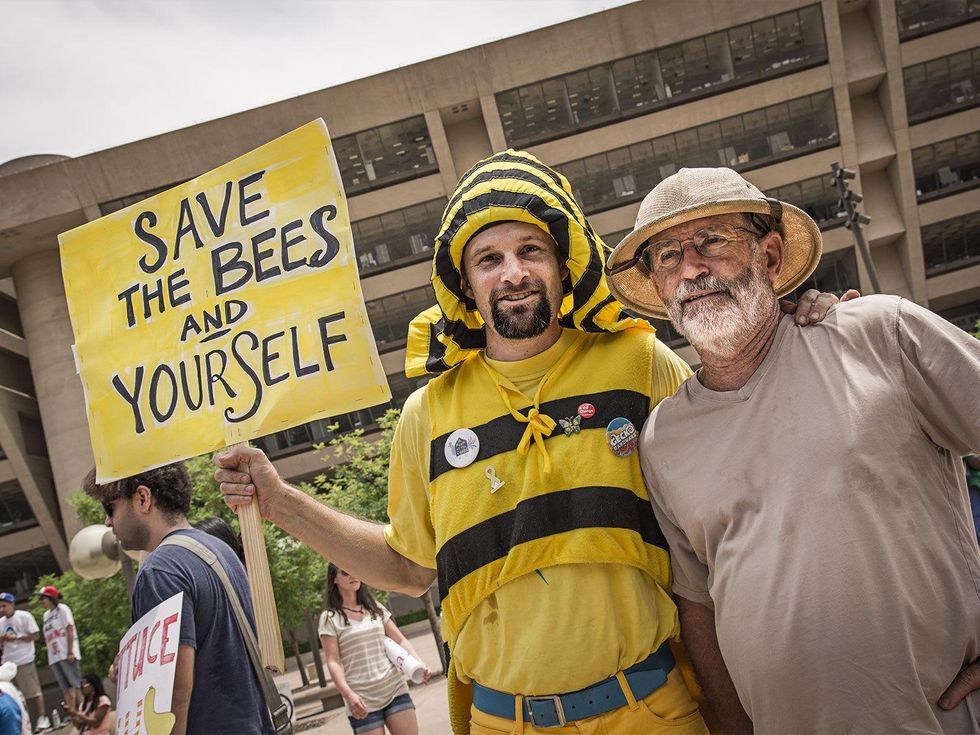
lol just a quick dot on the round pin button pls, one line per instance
(622, 436)
(462, 446)
(586, 410)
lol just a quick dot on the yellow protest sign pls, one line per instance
(226, 308)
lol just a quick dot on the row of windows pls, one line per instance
(19, 573)
(745, 141)
(390, 315)
(940, 86)
(662, 77)
(816, 196)
(919, 17)
(947, 167)
(15, 511)
(964, 316)
(397, 238)
(303, 437)
(368, 160)
(951, 244)
(385, 155)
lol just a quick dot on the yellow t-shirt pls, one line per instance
(557, 631)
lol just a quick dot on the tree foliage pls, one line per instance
(358, 483)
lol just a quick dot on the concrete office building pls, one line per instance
(778, 89)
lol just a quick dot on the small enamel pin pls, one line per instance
(495, 482)
(571, 425)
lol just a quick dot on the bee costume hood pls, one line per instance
(512, 186)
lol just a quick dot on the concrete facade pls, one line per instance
(853, 68)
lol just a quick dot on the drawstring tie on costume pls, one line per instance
(539, 426)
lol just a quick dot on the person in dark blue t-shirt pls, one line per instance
(216, 690)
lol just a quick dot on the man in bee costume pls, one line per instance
(514, 473)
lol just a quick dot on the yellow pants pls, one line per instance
(670, 709)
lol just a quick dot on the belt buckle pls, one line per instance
(555, 702)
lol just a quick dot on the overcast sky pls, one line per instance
(78, 76)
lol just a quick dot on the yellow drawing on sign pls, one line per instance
(157, 723)
(224, 309)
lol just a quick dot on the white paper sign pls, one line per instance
(147, 664)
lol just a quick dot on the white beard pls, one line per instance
(723, 326)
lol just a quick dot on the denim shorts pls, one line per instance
(69, 675)
(376, 719)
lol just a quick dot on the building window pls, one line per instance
(947, 167)
(397, 238)
(115, 205)
(19, 573)
(942, 85)
(951, 244)
(304, 437)
(756, 138)
(965, 316)
(385, 155)
(15, 511)
(390, 315)
(662, 77)
(835, 273)
(919, 17)
(815, 196)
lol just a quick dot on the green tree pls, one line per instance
(358, 484)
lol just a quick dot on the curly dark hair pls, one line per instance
(170, 484)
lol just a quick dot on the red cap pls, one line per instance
(50, 591)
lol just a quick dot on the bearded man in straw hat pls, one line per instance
(514, 474)
(830, 574)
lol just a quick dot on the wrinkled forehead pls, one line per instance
(687, 229)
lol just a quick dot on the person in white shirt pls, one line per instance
(62, 641)
(18, 631)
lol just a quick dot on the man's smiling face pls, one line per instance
(513, 273)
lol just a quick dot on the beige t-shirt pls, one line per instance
(822, 509)
(367, 668)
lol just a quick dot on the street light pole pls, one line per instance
(854, 221)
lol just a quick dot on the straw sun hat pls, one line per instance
(693, 193)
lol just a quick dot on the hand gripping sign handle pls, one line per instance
(260, 581)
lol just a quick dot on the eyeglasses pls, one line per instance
(710, 242)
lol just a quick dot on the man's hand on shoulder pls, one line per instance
(968, 680)
(814, 305)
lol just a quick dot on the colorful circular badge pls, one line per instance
(622, 436)
(462, 446)
(586, 410)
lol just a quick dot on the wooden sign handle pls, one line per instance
(260, 581)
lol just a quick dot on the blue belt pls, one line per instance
(555, 710)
